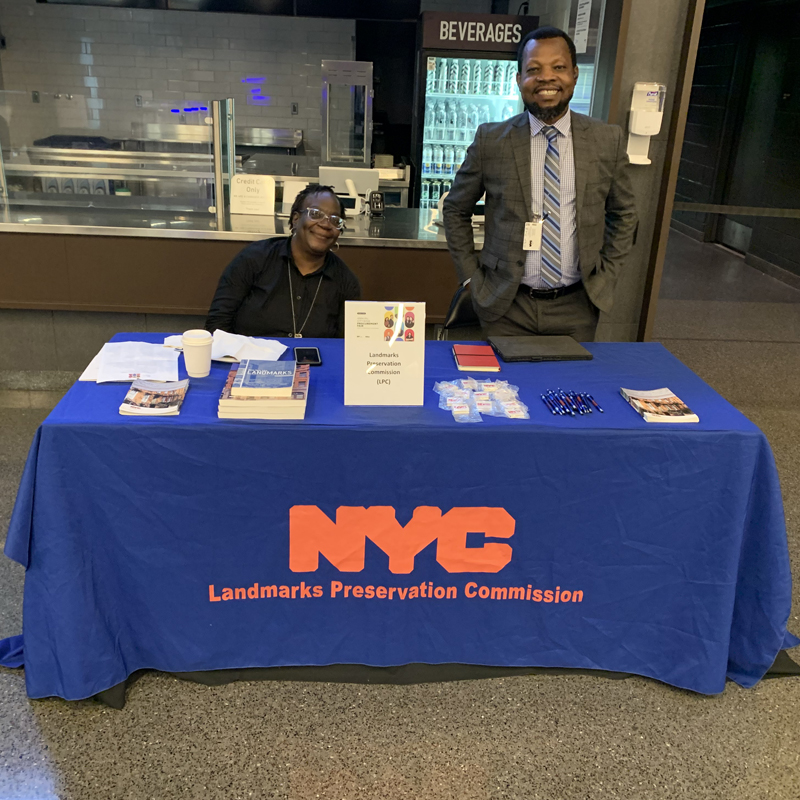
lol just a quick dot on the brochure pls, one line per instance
(659, 405)
(154, 399)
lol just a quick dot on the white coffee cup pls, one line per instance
(197, 352)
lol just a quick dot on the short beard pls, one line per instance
(550, 114)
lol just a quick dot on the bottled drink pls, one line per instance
(508, 111)
(438, 159)
(430, 118)
(430, 81)
(501, 78)
(475, 78)
(452, 76)
(498, 82)
(511, 79)
(463, 80)
(427, 159)
(484, 114)
(449, 157)
(424, 194)
(487, 74)
(441, 75)
(460, 155)
(446, 186)
(461, 122)
(451, 122)
(435, 189)
(441, 119)
(472, 121)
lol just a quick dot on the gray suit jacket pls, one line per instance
(498, 162)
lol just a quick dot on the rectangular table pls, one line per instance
(388, 536)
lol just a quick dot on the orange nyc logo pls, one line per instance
(343, 543)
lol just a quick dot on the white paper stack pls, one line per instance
(130, 361)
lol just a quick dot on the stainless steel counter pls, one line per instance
(400, 227)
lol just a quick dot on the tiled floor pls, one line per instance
(548, 738)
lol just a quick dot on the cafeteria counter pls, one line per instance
(154, 260)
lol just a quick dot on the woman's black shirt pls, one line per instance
(253, 296)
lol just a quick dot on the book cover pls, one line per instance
(475, 358)
(659, 405)
(259, 378)
(248, 403)
(150, 398)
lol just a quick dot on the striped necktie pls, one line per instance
(551, 228)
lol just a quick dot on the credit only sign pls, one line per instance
(499, 33)
(253, 195)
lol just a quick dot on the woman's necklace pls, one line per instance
(298, 334)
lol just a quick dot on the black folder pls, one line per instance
(539, 348)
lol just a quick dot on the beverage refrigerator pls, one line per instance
(457, 90)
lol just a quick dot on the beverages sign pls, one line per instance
(497, 33)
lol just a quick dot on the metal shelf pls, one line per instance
(509, 98)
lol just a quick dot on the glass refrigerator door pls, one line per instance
(460, 94)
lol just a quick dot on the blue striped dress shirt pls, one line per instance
(570, 272)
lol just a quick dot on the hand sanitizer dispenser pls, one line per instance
(647, 111)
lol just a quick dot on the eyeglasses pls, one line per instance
(317, 215)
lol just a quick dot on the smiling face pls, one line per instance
(316, 236)
(548, 78)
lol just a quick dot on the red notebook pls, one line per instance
(475, 358)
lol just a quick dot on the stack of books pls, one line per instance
(257, 389)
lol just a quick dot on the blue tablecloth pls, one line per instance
(592, 542)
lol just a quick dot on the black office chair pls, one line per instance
(461, 316)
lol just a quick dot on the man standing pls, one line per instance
(560, 217)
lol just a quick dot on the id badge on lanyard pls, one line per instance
(532, 239)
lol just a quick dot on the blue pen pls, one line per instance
(547, 403)
(594, 403)
(556, 402)
(559, 401)
(551, 400)
(577, 402)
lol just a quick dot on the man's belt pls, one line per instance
(549, 294)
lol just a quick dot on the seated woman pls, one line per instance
(289, 286)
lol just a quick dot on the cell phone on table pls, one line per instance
(307, 355)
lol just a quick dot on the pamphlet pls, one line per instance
(149, 398)
(659, 405)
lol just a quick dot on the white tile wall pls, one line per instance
(106, 57)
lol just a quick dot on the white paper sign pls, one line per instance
(384, 354)
(582, 25)
(253, 194)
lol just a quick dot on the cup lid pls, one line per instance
(197, 334)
